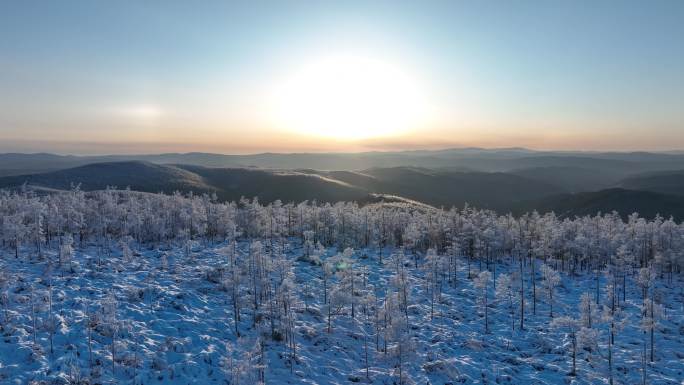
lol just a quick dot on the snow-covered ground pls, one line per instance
(174, 324)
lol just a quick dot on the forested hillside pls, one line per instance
(117, 286)
(665, 182)
(614, 164)
(545, 189)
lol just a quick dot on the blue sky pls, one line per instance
(142, 76)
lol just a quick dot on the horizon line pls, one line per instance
(408, 150)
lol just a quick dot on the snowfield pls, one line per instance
(117, 287)
(176, 327)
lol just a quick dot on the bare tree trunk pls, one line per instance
(522, 296)
(52, 320)
(33, 316)
(112, 350)
(652, 327)
(610, 357)
(534, 287)
(574, 354)
(486, 312)
(90, 345)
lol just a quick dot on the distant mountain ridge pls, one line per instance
(140, 176)
(228, 184)
(434, 187)
(498, 191)
(474, 159)
(573, 179)
(625, 202)
(665, 182)
(500, 179)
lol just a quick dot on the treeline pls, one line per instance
(103, 217)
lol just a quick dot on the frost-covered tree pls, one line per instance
(5, 284)
(645, 280)
(481, 282)
(550, 280)
(327, 272)
(66, 252)
(412, 237)
(587, 310)
(505, 293)
(400, 283)
(14, 230)
(257, 271)
(347, 277)
(338, 298)
(587, 339)
(433, 275)
(652, 312)
(126, 253)
(571, 326)
(616, 320)
(369, 304)
(400, 343)
(32, 302)
(309, 245)
(232, 281)
(92, 320)
(111, 322)
(235, 367)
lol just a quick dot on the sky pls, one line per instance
(86, 77)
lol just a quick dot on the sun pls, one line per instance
(349, 97)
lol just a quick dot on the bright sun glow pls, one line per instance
(350, 97)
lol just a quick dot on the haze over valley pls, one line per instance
(505, 180)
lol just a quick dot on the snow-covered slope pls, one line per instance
(122, 287)
(174, 324)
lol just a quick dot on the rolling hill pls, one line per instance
(541, 189)
(288, 186)
(457, 159)
(572, 179)
(139, 176)
(625, 202)
(228, 183)
(498, 191)
(665, 182)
